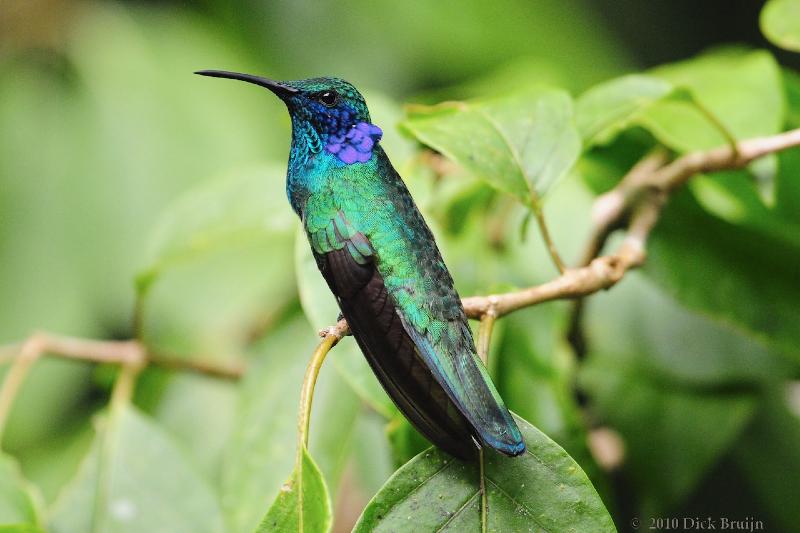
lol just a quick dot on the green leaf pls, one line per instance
(136, 479)
(213, 279)
(321, 309)
(544, 488)
(241, 206)
(742, 90)
(303, 504)
(640, 325)
(18, 503)
(521, 144)
(732, 272)
(607, 109)
(262, 449)
(780, 23)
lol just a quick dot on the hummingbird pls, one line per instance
(382, 264)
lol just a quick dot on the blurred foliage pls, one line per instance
(133, 193)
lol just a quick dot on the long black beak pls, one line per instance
(278, 88)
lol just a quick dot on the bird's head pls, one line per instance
(327, 113)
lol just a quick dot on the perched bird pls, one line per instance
(381, 262)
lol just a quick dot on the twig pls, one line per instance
(485, 335)
(31, 350)
(231, 371)
(608, 210)
(117, 352)
(611, 207)
(131, 355)
(330, 337)
(548, 241)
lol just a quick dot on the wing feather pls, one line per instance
(426, 361)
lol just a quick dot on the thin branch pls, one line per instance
(118, 352)
(132, 365)
(608, 211)
(31, 350)
(130, 355)
(232, 371)
(639, 197)
(548, 241)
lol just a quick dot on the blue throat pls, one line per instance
(324, 137)
(355, 146)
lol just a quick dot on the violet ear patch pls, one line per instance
(356, 144)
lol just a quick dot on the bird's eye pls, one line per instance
(328, 98)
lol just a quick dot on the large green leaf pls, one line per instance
(780, 22)
(686, 104)
(303, 504)
(183, 398)
(212, 278)
(521, 144)
(732, 272)
(136, 479)
(239, 206)
(18, 504)
(641, 325)
(542, 489)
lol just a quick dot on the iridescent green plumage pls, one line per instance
(381, 261)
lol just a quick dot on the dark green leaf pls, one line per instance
(665, 428)
(732, 272)
(542, 489)
(642, 326)
(767, 454)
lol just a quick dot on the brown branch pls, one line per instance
(485, 336)
(639, 197)
(116, 352)
(130, 355)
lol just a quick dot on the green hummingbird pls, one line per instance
(381, 261)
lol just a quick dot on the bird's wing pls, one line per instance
(417, 342)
